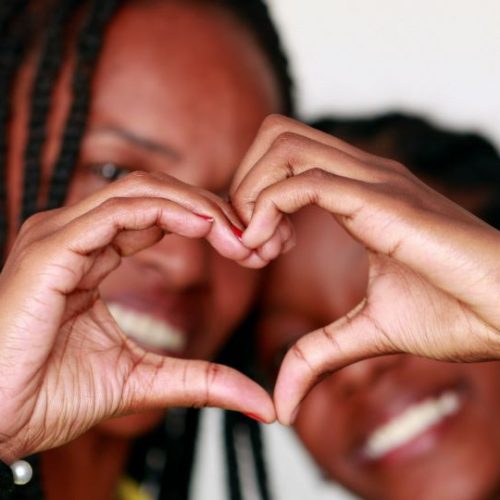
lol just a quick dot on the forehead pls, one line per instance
(185, 72)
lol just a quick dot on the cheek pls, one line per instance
(319, 429)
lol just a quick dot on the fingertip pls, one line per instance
(244, 209)
(271, 248)
(253, 261)
(289, 245)
(252, 237)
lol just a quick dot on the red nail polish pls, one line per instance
(255, 417)
(204, 217)
(237, 232)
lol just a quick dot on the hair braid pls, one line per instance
(48, 69)
(239, 353)
(89, 44)
(232, 471)
(237, 424)
(176, 478)
(255, 14)
(9, 11)
(255, 434)
(13, 42)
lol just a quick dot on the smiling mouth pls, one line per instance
(148, 330)
(411, 423)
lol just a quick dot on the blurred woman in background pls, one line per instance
(398, 426)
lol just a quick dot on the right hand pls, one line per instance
(434, 278)
(64, 363)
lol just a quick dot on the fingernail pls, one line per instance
(209, 218)
(237, 231)
(255, 417)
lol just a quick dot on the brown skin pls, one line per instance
(432, 266)
(190, 85)
(322, 279)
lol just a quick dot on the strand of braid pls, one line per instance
(88, 48)
(236, 424)
(47, 73)
(231, 457)
(256, 15)
(257, 444)
(12, 46)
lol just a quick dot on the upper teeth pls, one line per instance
(147, 329)
(409, 424)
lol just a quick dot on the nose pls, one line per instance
(366, 373)
(181, 262)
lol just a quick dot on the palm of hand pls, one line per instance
(404, 312)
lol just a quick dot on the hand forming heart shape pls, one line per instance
(434, 269)
(433, 288)
(64, 363)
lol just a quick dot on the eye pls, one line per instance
(110, 171)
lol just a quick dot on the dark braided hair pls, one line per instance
(89, 45)
(13, 43)
(461, 160)
(9, 11)
(239, 431)
(47, 73)
(255, 14)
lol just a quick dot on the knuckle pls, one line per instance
(112, 204)
(396, 166)
(212, 373)
(288, 143)
(137, 176)
(298, 353)
(317, 176)
(33, 222)
(274, 124)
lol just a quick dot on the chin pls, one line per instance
(131, 426)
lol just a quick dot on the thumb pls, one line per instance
(159, 382)
(352, 338)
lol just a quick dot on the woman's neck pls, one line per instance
(88, 467)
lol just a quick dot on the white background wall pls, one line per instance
(439, 57)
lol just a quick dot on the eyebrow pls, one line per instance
(142, 142)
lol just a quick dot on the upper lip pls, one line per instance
(181, 312)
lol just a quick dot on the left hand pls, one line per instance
(434, 277)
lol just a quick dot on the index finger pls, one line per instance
(274, 126)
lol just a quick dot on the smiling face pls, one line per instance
(397, 427)
(180, 88)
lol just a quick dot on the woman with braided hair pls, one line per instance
(175, 91)
(396, 427)
(91, 91)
